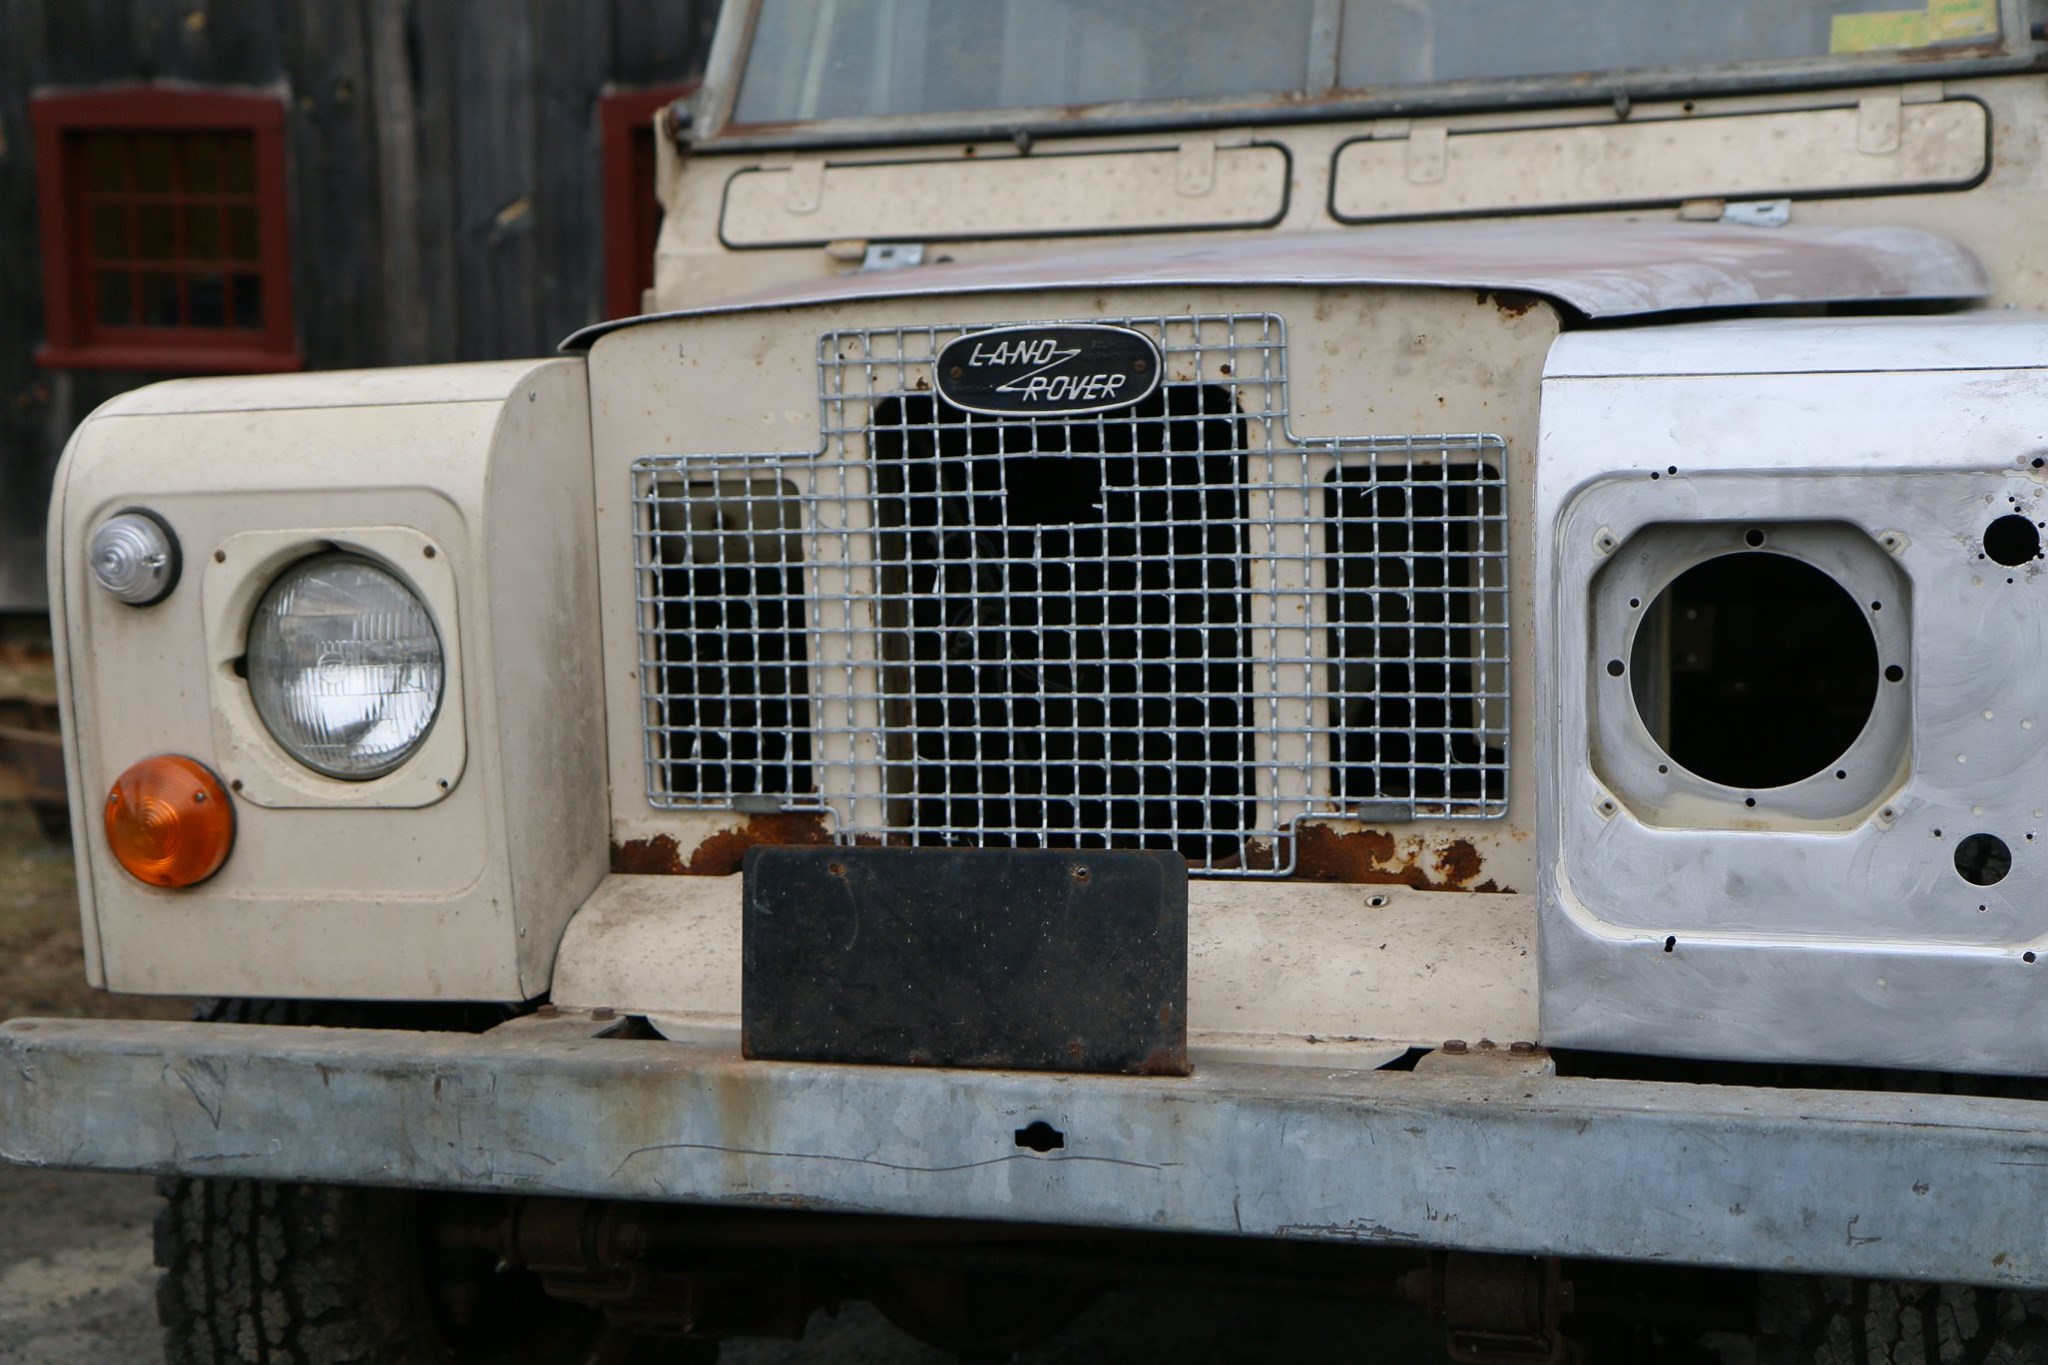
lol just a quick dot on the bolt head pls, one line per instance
(1457, 1047)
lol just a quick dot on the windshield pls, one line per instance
(832, 59)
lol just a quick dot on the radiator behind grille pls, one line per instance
(1170, 626)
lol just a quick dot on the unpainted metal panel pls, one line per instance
(1882, 145)
(1474, 1157)
(1779, 346)
(1778, 937)
(922, 201)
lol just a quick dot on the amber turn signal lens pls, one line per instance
(169, 821)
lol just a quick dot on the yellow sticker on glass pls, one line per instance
(1943, 21)
(1951, 20)
(1880, 31)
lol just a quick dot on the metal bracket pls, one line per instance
(1395, 812)
(1878, 120)
(677, 121)
(806, 184)
(1763, 213)
(1195, 168)
(1429, 154)
(891, 256)
(1496, 1310)
(1487, 1057)
(1750, 213)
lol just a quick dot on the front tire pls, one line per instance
(260, 1274)
(1836, 1321)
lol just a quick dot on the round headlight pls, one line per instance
(344, 665)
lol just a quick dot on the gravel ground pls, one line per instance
(75, 1274)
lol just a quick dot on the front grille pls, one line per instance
(1175, 625)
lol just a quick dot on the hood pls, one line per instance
(1599, 269)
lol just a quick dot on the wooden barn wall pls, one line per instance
(443, 168)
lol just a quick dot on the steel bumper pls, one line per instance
(1480, 1158)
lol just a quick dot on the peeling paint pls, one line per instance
(1511, 302)
(1375, 857)
(721, 854)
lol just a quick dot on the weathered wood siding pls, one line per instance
(444, 179)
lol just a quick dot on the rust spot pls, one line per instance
(1371, 857)
(922, 384)
(1511, 302)
(721, 854)
(1458, 861)
(657, 856)
(1164, 1061)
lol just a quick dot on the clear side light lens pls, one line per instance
(135, 557)
(345, 666)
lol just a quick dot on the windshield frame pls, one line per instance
(713, 130)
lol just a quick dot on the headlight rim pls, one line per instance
(267, 593)
(432, 550)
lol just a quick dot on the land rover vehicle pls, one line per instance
(1387, 644)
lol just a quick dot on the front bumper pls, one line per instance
(1472, 1156)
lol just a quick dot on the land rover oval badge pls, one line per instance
(1051, 371)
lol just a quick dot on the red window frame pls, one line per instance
(75, 337)
(632, 210)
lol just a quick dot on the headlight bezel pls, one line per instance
(258, 768)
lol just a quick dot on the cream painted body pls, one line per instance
(1137, 190)
(399, 888)
(1452, 363)
(1854, 156)
(1347, 976)
(1420, 967)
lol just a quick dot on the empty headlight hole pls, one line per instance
(1754, 670)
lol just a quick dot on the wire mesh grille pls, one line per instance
(1169, 626)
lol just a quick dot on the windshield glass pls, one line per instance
(831, 59)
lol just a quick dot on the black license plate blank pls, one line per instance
(1025, 959)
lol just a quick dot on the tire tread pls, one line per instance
(259, 1273)
(1831, 1320)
